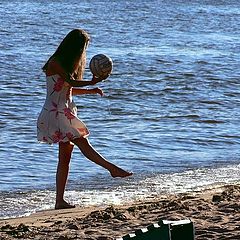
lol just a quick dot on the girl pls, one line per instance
(58, 121)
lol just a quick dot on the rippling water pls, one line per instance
(170, 111)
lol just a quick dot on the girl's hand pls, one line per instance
(96, 80)
(98, 91)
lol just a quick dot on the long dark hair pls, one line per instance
(71, 53)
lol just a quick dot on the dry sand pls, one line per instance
(214, 212)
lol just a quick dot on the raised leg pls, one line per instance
(90, 153)
(65, 153)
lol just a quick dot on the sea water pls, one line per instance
(170, 112)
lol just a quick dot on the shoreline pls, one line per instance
(214, 212)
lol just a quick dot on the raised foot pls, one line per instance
(118, 172)
(63, 205)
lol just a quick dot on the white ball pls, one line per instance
(101, 65)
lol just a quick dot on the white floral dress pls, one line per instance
(58, 121)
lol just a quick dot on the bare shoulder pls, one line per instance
(55, 68)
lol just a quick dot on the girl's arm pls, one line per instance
(55, 68)
(79, 91)
(80, 83)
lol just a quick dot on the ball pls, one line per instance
(101, 65)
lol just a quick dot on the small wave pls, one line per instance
(232, 94)
(189, 74)
(216, 141)
(210, 121)
(210, 102)
(229, 136)
(202, 62)
(191, 116)
(168, 89)
(161, 61)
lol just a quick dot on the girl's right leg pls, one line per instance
(65, 152)
(90, 153)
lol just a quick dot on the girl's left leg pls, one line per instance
(65, 153)
(90, 153)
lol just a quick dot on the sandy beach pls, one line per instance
(215, 213)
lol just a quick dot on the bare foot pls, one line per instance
(63, 205)
(118, 172)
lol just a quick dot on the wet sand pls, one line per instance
(214, 212)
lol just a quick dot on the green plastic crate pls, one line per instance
(164, 230)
